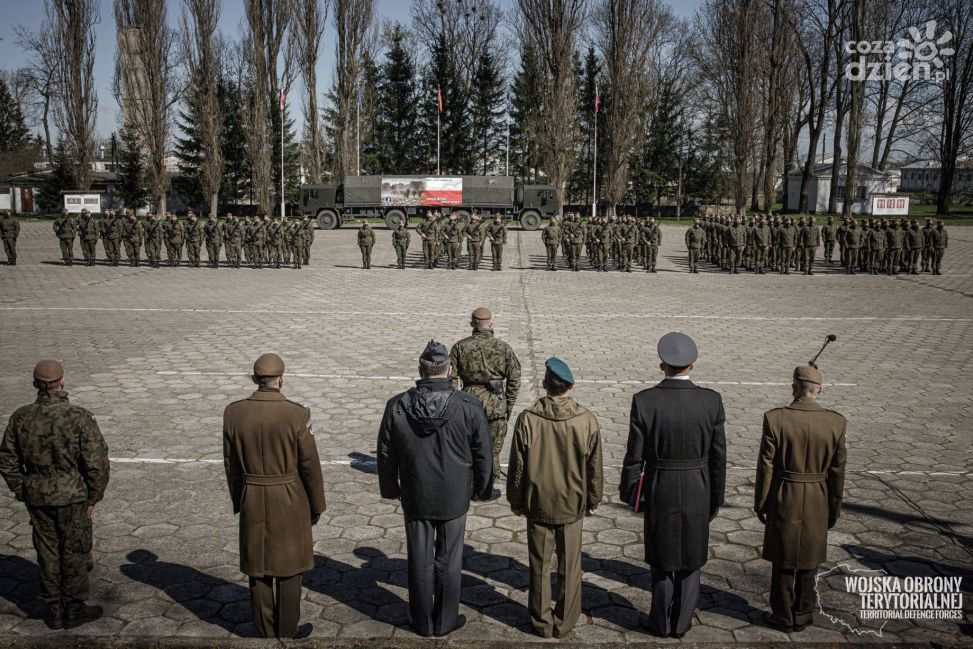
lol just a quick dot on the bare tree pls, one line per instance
(841, 100)
(855, 111)
(310, 17)
(202, 56)
(267, 22)
(40, 77)
(726, 59)
(552, 29)
(626, 31)
(353, 24)
(72, 33)
(956, 128)
(147, 85)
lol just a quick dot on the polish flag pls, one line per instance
(439, 97)
(282, 101)
(597, 100)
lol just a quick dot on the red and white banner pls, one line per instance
(890, 205)
(415, 191)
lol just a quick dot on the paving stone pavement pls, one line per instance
(157, 354)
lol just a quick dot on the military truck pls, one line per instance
(395, 198)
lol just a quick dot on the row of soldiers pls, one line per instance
(784, 244)
(606, 240)
(256, 240)
(445, 234)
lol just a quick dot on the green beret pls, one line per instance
(560, 369)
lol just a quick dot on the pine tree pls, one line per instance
(397, 120)
(189, 153)
(292, 158)
(50, 196)
(18, 150)
(587, 81)
(132, 188)
(371, 143)
(487, 129)
(236, 160)
(524, 154)
(654, 170)
(442, 76)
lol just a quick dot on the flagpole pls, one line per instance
(507, 171)
(358, 132)
(282, 154)
(594, 170)
(439, 118)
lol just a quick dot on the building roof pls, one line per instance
(823, 169)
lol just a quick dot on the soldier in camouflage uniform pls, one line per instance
(496, 232)
(111, 237)
(132, 234)
(296, 236)
(424, 230)
(651, 240)
(488, 368)
(758, 241)
(213, 232)
(9, 231)
(194, 239)
(400, 241)
(551, 235)
(175, 237)
(474, 242)
(308, 238)
(55, 461)
(366, 239)
(736, 241)
(88, 235)
(576, 240)
(830, 236)
(275, 242)
(153, 240)
(65, 228)
(695, 237)
(233, 234)
(454, 234)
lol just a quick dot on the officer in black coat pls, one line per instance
(676, 437)
(434, 455)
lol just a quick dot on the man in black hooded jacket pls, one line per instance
(434, 455)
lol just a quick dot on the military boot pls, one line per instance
(54, 617)
(77, 613)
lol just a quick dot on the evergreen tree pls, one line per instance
(189, 153)
(654, 170)
(524, 153)
(442, 76)
(487, 127)
(236, 160)
(587, 81)
(371, 143)
(292, 158)
(397, 120)
(132, 188)
(18, 150)
(49, 196)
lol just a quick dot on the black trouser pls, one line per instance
(675, 594)
(276, 611)
(435, 551)
(62, 539)
(792, 596)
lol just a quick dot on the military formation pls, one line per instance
(255, 241)
(781, 244)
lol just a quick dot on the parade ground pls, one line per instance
(157, 354)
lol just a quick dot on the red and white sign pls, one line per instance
(74, 203)
(417, 191)
(890, 205)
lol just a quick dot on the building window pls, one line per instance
(861, 193)
(839, 193)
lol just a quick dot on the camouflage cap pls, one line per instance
(48, 370)
(268, 365)
(807, 374)
(482, 313)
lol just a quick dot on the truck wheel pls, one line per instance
(394, 217)
(463, 217)
(530, 220)
(328, 220)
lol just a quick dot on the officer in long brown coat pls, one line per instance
(274, 475)
(800, 479)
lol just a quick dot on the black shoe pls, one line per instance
(678, 636)
(79, 613)
(775, 625)
(648, 628)
(460, 623)
(54, 617)
(303, 631)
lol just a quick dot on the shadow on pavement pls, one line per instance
(19, 584)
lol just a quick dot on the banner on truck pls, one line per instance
(413, 191)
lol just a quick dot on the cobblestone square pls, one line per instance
(157, 354)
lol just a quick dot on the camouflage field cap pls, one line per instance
(268, 365)
(808, 374)
(48, 370)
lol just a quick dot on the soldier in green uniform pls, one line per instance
(400, 241)
(308, 238)
(603, 236)
(488, 368)
(829, 235)
(275, 242)
(65, 228)
(474, 242)
(366, 239)
(841, 234)
(111, 237)
(132, 234)
(153, 240)
(194, 239)
(285, 245)
(175, 236)
(440, 224)
(773, 251)
(261, 230)
(250, 241)
(496, 232)
(812, 239)
(296, 237)
(736, 240)
(213, 233)
(88, 235)
(853, 242)
(628, 238)
(875, 244)
(758, 241)
(786, 240)
(894, 239)
(576, 241)
(926, 246)
(551, 236)
(914, 239)
(695, 236)
(55, 461)
(9, 231)
(232, 239)
(940, 242)
(454, 234)
(424, 230)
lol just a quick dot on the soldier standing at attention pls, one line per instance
(88, 235)
(829, 235)
(308, 238)
(894, 238)
(551, 236)
(424, 230)
(9, 231)
(759, 242)
(797, 496)
(153, 240)
(55, 461)
(274, 476)
(694, 243)
(233, 239)
(555, 480)
(274, 240)
(474, 242)
(454, 233)
(175, 236)
(488, 369)
(496, 232)
(111, 237)
(676, 436)
(297, 238)
(736, 239)
(213, 231)
(875, 243)
(285, 242)
(132, 233)
(65, 229)
(853, 241)
(926, 246)
(939, 238)
(194, 239)
(400, 241)
(916, 246)
(366, 239)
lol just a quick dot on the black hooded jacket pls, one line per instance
(434, 451)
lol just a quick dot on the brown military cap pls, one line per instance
(268, 365)
(482, 313)
(48, 371)
(808, 374)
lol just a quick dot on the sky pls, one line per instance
(30, 13)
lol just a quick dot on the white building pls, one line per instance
(870, 181)
(923, 176)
